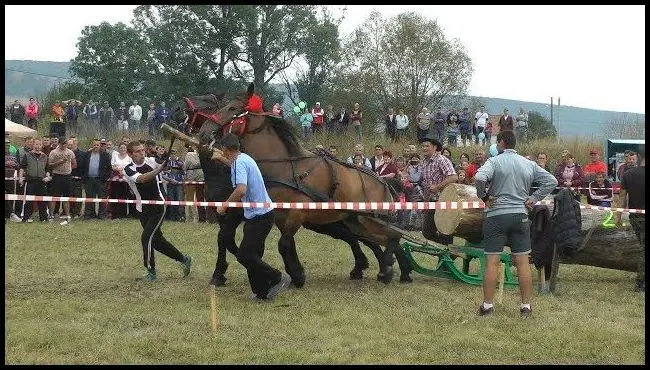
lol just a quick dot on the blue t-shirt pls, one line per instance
(245, 171)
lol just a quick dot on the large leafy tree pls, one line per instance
(111, 61)
(315, 67)
(539, 127)
(403, 62)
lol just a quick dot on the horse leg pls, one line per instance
(287, 248)
(338, 230)
(405, 266)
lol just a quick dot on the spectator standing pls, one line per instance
(401, 125)
(452, 127)
(333, 150)
(423, 119)
(390, 121)
(447, 153)
(57, 126)
(480, 119)
(151, 120)
(358, 151)
(633, 193)
(542, 161)
(119, 188)
(135, 116)
(106, 119)
(521, 127)
(277, 110)
(17, 112)
(436, 172)
(96, 171)
(465, 127)
(193, 192)
(355, 117)
(76, 180)
(387, 169)
(630, 162)
(506, 216)
(91, 115)
(319, 118)
(174, 175)
(265, 281)
(570, 175)
(72, 115)
(378, 159)
(342, 121)
(47, 145)
(142, 175)
(306, 124)
(505, 121)
(11, 186)
(594, 166)
(163, 114)
(439, 120)
(28, 146)
(330, 120)
(61, 161)
(479, 160)
(600, 192)
(122, 117)
(32, 113)
(34, 174)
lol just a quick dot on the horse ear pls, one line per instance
(251, 89)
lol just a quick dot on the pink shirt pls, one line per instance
(433, 171)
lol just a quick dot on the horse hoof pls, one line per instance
(356, 275)
(298, 281)
(384, 278)
(405, 279)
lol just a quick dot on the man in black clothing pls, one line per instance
(633, 184)
(143, 177)
(95, 169)
(218, 188)
(77, 183)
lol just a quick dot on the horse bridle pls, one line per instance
(195, 112)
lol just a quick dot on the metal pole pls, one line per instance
(558, 118)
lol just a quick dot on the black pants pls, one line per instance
(261, 276)
(228, 224)
(95, 188)
(57, 128)
(77, 192)
(637, 221)
(430, 231)
(119, 190)
(34, 187)
(152, 238)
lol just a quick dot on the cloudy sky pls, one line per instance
(590, 56)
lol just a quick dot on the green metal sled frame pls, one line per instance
(446, 267)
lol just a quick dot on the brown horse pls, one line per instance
(298, 175)
(201, 109)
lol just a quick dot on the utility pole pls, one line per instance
(558, 117)
(552, 111)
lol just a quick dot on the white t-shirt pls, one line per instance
(123, 162)
(401, 122)
(481, 119)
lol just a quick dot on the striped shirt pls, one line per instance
(151, 190)
(434, 170)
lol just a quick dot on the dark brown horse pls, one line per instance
(200, 109)
(295, 174)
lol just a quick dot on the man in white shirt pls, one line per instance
(135, 115)
(480, 120)
(401, 124)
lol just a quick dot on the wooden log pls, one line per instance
(463, 223)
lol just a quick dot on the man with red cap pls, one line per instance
(317, 112)
(590, 169)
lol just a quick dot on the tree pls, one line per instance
(320, 56)
(272, 37)
(405, 61)
(112, 61)
(539, 127)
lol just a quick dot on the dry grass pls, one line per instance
(73, 296)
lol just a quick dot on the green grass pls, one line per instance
(74, 295)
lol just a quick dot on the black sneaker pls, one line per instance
(485, 312)
(525, 312)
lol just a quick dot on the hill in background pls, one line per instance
(25, 78)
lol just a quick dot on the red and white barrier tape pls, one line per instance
(355, 206)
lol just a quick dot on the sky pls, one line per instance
(588, 56)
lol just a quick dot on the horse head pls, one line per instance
(236, 115)
(196, 116)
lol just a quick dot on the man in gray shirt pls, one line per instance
(506, 215)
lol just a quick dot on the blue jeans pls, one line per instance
(175, 192)
(152, 128)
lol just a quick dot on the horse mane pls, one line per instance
(287, 133)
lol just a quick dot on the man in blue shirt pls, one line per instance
(506, 215)
(266, 282)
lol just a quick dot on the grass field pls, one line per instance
(74, 295)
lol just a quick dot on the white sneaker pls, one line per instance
(66, 221)
(14, 218)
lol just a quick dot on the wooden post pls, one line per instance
(213, 308)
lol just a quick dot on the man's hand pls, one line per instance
(20, 181)
(221, 210)
(217, 155)
(434, 188)
(47, 179)
(529, 204)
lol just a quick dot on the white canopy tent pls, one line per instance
(18, 130)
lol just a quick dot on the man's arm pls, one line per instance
(481, 178)
(546, 181)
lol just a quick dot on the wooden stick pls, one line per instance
(502, 273)
(179, 135)
(213, 307)
(543, 280)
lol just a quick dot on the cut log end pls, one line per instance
(463, 223)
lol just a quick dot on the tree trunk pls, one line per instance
(463, 223)
(617, 249)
